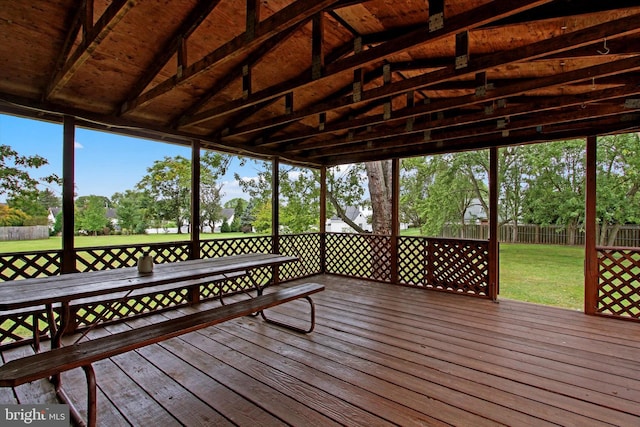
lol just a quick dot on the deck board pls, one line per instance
(379, 355)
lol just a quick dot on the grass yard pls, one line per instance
(542, 274)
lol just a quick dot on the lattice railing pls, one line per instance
(459, 266)
(307, 248)
(366, 256)
(25, 265)
(619, 282)
(451, 265)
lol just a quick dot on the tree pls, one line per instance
(168, 182)
(11, 217)
(555, 193)
(14, 174)
(92, 214)
(34, 202)
(618, 184)
(133, 211)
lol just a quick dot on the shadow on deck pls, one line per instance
(379, 355)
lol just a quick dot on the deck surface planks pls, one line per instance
(379, 355)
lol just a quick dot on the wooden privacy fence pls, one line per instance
(32, 232)
(627, 236)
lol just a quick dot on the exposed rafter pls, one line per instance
(298, 11)
(171, 47)
(92, 38)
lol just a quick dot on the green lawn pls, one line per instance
(543, 274)
(115, 240)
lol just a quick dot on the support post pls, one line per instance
(195, 200)
(395, 219)
(194, 247)
(275, 213)
(591, 255)
(494, 248)
(68, 181)
(323, 219)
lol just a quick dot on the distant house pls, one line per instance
(360, 217)
(228, 214)
(475, 213)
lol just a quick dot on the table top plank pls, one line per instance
(65, 288)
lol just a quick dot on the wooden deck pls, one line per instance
(380, 355)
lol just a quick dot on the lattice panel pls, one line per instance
(19, 327)
(619, 282)
(412, 260)
(225, 287)
(307, 248)
(88, 314)
(359, 255)
(25, 265)
(244, 245)
(103, 258)
(460, 266)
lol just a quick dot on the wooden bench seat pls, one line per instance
(112, 298)
(51, 363)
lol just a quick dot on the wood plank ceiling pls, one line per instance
(324, 82)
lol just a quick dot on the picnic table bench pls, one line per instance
(66, 289)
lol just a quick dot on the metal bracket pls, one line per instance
(436, 22)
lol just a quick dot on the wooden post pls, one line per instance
(195, 200)
(194, 252)
(275, 212)
(68, 181)
(323, 219)
(494, 248)
(591, 255)
(395, 219)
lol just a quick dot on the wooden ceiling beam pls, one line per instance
(491, 94)
(604, 126)
(423, 123)
(504, 127)
(291, 15)
(616, 28)
(102, 28)
(170, 48)
(256, 57)
(464, 21)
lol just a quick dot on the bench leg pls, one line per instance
(92, 400)
(295, 328)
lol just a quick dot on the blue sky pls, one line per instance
(105, 163)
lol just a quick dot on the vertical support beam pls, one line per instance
(462, 50)
(194, 252)
(68, 183)
(358, 78)
(323, 219)
(395, 219)
(88, 20)
(494, 248)
(590, 256)
(317, 46)
(181, 56)
(386, 79)
(436, 15)
(288, 103)
(253, 18)
(246, 81)
(411, 102)
(195, 200)
(275, 212)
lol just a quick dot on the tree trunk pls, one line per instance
(379, 174)
(613, 234)
(603, 233)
